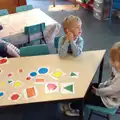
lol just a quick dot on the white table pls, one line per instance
(13, 25)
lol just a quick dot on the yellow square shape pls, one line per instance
(57, 74)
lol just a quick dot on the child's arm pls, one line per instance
(77, 48)
(63, 47)
(109, 90)
(12, 50)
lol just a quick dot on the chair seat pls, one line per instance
(111, 111)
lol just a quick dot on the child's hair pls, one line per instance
(115, 52)
(68, 21)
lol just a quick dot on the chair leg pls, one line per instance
(56, 50)
(110, 16)
(40, 41)
(43, 38)
(91, 112)
(108, 117)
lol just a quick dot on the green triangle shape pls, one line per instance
(69, 88)
(73, 74)
(9, 81)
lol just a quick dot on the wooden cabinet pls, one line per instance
(11, 5)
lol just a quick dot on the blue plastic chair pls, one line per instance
(115, 5)
(56, 41)
(34, 50)
(35, 29)
(107, 111)
(3, 12)
(24, 8)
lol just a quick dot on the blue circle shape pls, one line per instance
(33, 74)
(1, 94)
(43, 70)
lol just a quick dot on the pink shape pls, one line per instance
(51, 86)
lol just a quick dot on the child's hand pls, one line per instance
(94, 90)
(69, 36)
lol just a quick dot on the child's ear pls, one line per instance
(66, 30)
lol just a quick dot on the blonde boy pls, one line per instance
(71, 42)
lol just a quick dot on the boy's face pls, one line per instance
(75, 28)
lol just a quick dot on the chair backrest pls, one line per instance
(34, 50)
(35, 30)
(24, 8)
(56, 41)
(3, 12)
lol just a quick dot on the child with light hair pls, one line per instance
(106, 94)
(71, 42)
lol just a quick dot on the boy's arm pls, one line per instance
(77, 48)
(63, 47)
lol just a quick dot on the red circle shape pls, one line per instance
(28, 78)
(2, 61)
(14, 97)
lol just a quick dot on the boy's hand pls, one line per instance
(69, 36)
(94, 90)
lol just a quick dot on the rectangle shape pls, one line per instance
(30, 92)
(39, 81)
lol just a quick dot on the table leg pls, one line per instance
(101, 71)
(82, 109)
(54, 3)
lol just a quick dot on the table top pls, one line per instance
(47, 78)
(15, 23)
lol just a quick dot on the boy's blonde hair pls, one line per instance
(69, 20)
(115, 52)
